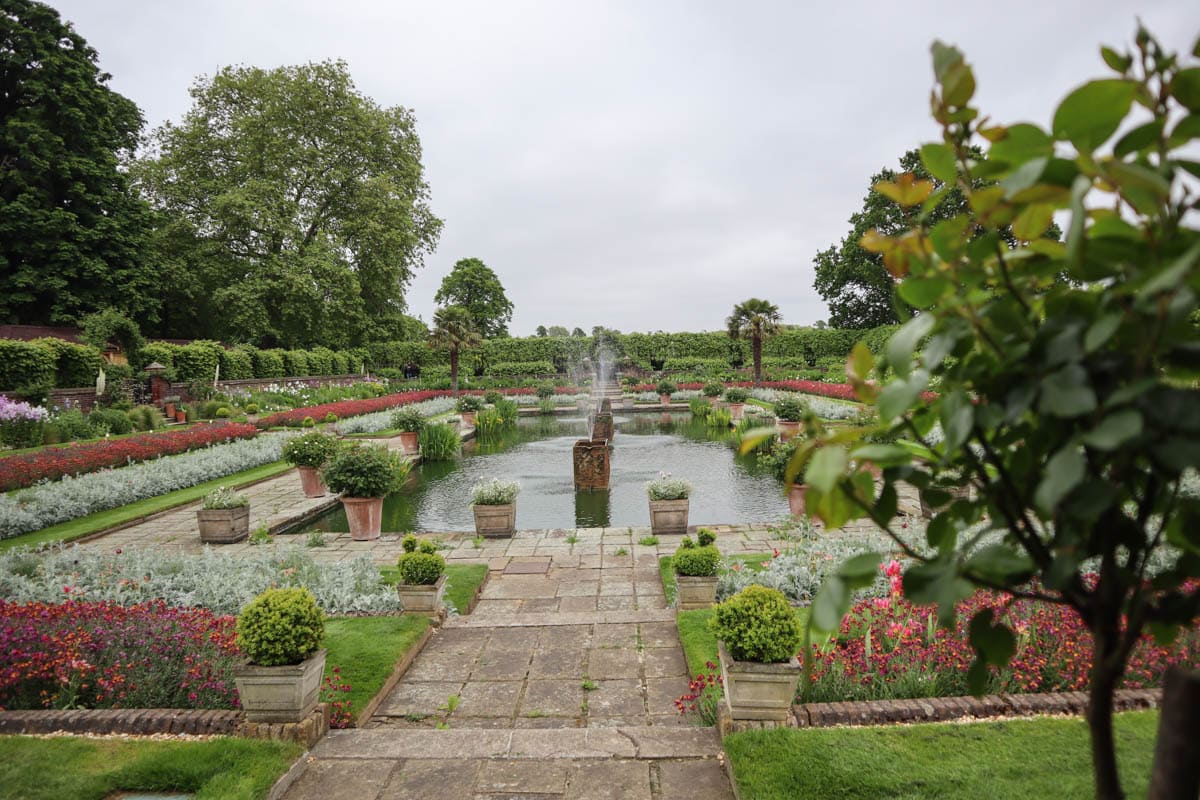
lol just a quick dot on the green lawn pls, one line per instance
(367, 649)
(461, 582)
(92, 769)
(102, 520)
(1005, 760)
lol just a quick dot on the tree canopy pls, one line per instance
(755, 320)
(454, 329)
(294, 210)
(474, 286)
(72, 233)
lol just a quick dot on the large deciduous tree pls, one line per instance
(294, 208)
(1065, 375)
(72, 233)
(474, 286)
(755, 320)
(454, 329)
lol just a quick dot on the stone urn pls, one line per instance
(286, 693)
(422, 597)
(409, 442)
(736, 410)
(223, 525)
(754, 690)
(364, 515)
(795, 496)
(695, 592)
(787, 429)
(311, 483)
(669, 517)
(495, 522)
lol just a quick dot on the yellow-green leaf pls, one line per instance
(1033, 221)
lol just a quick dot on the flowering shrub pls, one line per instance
(333, 687)
(703, 696)
(82, 654)
(26, 469)
(495, 492)
(20, 423)
(346, 408)
(889, 648)
(667, 488)
(208, 580)
(221, 499)
(47, 504)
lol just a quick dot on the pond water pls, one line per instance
(728, 487)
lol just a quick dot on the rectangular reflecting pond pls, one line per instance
(536, 452)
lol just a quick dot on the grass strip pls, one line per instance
(93, 769)
(102, 520)
(1002, 760)
(367, 649)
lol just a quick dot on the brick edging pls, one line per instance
(138, 721)
(942, 709)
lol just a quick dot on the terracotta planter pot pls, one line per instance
(758, 691)
(736, 410)
(422, 597)
(223, 525)
(408, 441)
(495, 522)
(280, 694)
(311, 483)
(695, 592)
(170, 412)
(669, 517)
(715, 402)
(468, 418)
(787, 429)
(365, 517)
(180, 416)
(665, 399)
(795, 495)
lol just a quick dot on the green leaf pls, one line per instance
(1186, 88)
(899, 395)
(940, 161)
(827, 465)
(1130, 392)
(1115, 60)
(859, 571)
(1021, 143)
(904, 341)
(958, 85)
(1089, 115)
(830, 604)
(1139, 137)
(884, 455)
(1184, 132)
(999, 563)
(993, 644)
(1100, 332)
(924, 292)
(941, 532)
(1171, 276)
(1033, 221)
(1066, 393)
(1079, 188)
(861, 361)
(1064, 471)
(1114, 430)
(957, 416)
(937, 582)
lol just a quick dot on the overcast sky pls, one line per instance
(642, 165)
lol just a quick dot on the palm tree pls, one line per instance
(454, 329)
(755, 320)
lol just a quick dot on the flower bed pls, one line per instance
(72, 497)
(26, 469)
(888, 648)
(209, 580)
(347, 408)
(382, 420)
(103, 655)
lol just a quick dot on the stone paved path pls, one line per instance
(560, 685)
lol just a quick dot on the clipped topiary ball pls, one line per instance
(280, 626)
(421, 568)
(696, 562)
(758, 624)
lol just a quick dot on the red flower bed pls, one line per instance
(51, 463)
(101, 655)
(889, 648)
(347, 408)
(840, 391)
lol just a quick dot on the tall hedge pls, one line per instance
(26, 369)
(268, 363)
(164, 354)
(320, 361)
(236, 365)
(197, 362)
(75, 365)
(295, 363)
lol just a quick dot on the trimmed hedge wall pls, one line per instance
(511, 368)
(74, 364)
(26, 369)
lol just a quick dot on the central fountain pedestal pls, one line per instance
(592, 464)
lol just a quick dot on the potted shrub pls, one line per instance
(668, 505)
(422, 576)
(696, 571)
(778, 459)
(712, 391)
(280, 632)
(409, 421)
(789, 412)
(363, 476)
(169, 406)
(736, 397)
(665, 389)
(467, 406)
(308, 454)
(224, 517)
(495, 505)
(758, 636)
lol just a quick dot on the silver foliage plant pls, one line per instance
(71, 497)
(382, 420)
(209, 580)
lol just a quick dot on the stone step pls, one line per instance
(540, 620)
(528, 743)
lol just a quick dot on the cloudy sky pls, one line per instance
(635, 164)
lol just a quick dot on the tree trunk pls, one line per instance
(1100, 710)
(756, 346)
(454, 372)
(1177, 751)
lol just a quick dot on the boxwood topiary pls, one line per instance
(705, 536)
(696, 562)
(421, 568)
(280, 626)
(757, 624)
